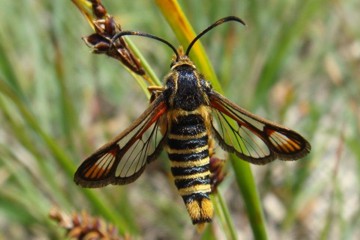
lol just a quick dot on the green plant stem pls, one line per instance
(184, 32)
(177, 20)
(246, 183)
(230, 227)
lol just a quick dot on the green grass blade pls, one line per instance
(178, 22)
(289, 35)
(183, 30)
(246, 183)
(65, 161)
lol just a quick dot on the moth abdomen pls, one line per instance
(188, 152)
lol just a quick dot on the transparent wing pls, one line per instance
(251, 137)
(123, 159)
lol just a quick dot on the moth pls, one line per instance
(184, 118)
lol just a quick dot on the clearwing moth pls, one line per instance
(185, 117)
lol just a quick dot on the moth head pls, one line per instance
(181, 59)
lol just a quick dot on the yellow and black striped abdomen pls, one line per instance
(189, 155)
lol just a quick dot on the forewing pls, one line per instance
(123, 159)
(251, 137)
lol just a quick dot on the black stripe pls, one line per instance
(184, 183)
(188, 125)
(189, 156)
(188, 130)
(191, 119)
(177, 171)
(194, 196)
(187, 144)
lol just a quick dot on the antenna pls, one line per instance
(134, 33)
(217, 23)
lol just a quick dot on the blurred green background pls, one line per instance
(296, 63)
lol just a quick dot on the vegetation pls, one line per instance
(296, 63)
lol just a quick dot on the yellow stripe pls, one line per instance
(187, 137)
(195, 189)
(202, 110)
(193, 176)
(187, 151)
(193, 163)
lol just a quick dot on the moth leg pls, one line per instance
(155, 92)
(217, 167)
